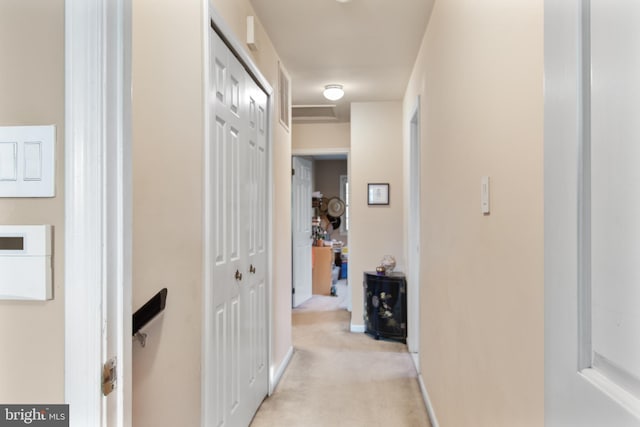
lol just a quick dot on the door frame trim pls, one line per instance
(301, 152)
(413, 340)
(97, 200)
(212, 19)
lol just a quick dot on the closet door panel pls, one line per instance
(236, 235)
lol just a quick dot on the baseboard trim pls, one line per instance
(275, 379)
(427, 402)
(416, 361)
(357, 328)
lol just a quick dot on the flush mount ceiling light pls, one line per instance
(343, 1)
(333, 92)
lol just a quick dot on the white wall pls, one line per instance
(479, 73)
(32, 93)
(376, 157)
(320, 138)
(167, 205)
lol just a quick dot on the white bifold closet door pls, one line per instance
(237, 215)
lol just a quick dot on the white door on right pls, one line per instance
(615, 195)
(592, 213)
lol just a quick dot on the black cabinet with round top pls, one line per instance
(385, 305)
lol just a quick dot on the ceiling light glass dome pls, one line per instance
(333, 92)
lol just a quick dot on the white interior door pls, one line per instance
(592, 213)
(301, 218)
(118, 218)
(615, 194)
(237, 382)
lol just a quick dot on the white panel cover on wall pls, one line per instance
(25, 262)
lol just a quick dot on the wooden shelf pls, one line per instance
(322, 266)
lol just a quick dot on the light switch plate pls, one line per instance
(27, 161)
(484, 195)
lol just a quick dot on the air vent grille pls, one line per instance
(313, 112)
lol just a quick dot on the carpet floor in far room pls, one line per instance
(344, 379)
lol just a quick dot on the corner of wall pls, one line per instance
(278, 372)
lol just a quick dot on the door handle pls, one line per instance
(238, 275)
(252, 269)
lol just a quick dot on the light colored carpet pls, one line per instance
(339, 378)
(327, 303)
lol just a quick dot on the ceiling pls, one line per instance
(368, 46)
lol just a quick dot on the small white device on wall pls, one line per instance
(251, 33)
(27, 161)
(25, 262)
(484, 195)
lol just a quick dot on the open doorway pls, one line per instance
(320, 229)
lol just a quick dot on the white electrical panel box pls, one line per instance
(25, 262)
(27, 161)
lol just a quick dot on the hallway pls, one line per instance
(338, 378)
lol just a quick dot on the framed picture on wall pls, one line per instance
(378, 194)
